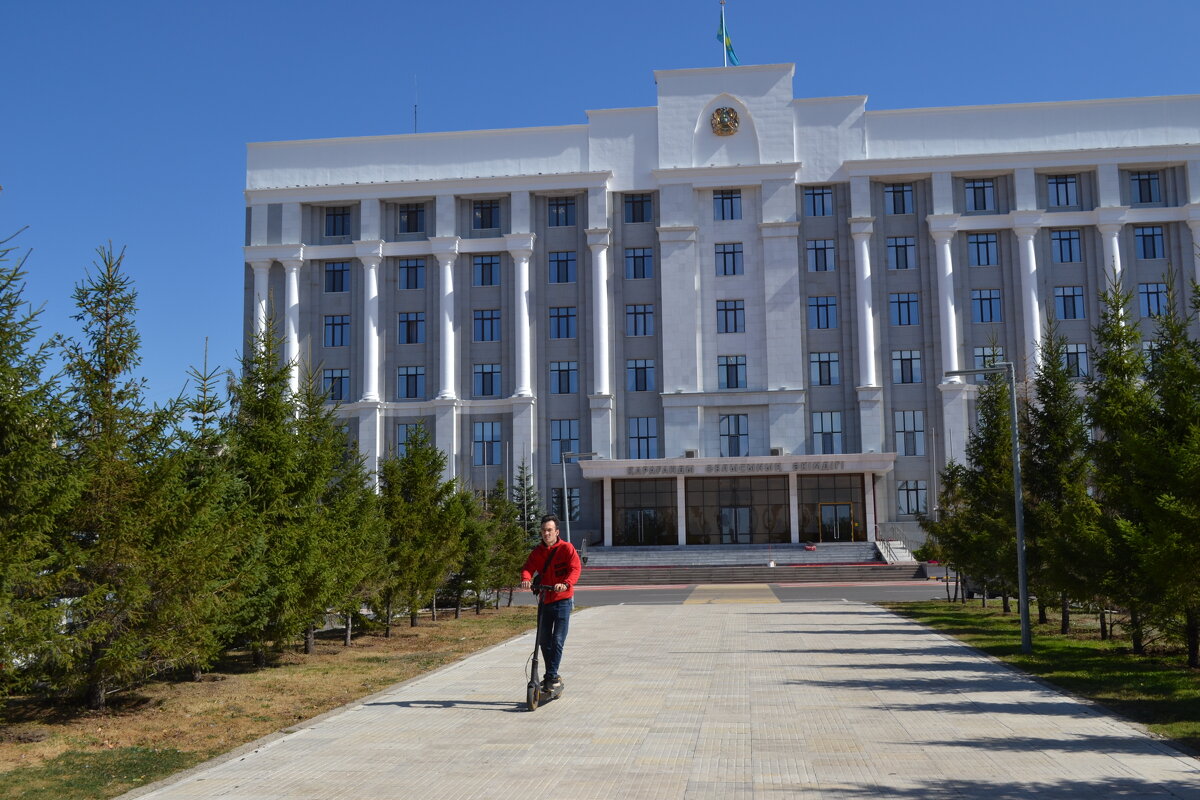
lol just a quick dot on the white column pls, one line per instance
(598, 242)
(860, 230)
(1110, 233)
(607, 514)
(262, 273)
(520, 247)
(370, 366)
(946, 310)
(794, 507)
(291, 316)
(1030, 302)
(680, 511)
(446, 251)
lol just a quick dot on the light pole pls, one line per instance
(1010, 370)
(565, 501)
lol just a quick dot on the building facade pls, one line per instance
(740, 305)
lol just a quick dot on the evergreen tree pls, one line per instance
(479, 536)
(511, 540)
(949, 536)
(528, 503)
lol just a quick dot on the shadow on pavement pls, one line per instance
(1120, 789)
(482, 705)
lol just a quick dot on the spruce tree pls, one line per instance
(511, 540)
(528, 503)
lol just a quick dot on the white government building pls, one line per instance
(741, 304)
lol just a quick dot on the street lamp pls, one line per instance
(1010, 370)
(565, 501)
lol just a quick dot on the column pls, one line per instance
(370, 365)
(608, 513)
(794, 507)
(948, 329)
(1031, 313)
(598, 243)
(262, 273)
(860, 231)
(1110, 233)
(291, 320)
(680, 511)
(445, 249)
(520, 247)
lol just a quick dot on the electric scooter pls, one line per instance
(534, 695)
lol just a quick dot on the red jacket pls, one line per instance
(565, 568)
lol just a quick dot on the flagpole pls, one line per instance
(724, 36)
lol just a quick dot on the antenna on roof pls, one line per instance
(415, 100)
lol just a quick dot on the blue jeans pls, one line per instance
(556, 618)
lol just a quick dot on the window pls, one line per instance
(639, 375)
(910, 433)
(410, 383)
(560, 212)
(337, 221)
(1075, 360)
(336, 384)
(405, 433)
(337, 330)
(727, 204)
(1143, 187)
(985, 305)
(639, 320)
(564, 438)
(485, 443)
(898, 198)
(984, 357)
(1061, 190)
(562, 322)
(906, 366)
(731, 316)
(562, 267)
(729, 258)
(412, 273)
(827, 432)
(1149, 240)
(337, 276)
(1064, 247)
(820, 255)
(639, 208)
(486, 380)
(822, 312)
(731, 372)
(487, 324)
(981, 250)
(1152, 299)
(904, 309)
(1150, 353)
(564, 377)
(734, 430)
(1068, 302)
(901, 252)
(980, 195)
(643, 437)
(410, 218)
(485, 214)
(824, 369)
(818, 201)
(485, 270)
(556, 496)
(639, 263)
(910, 497)
(411, 327)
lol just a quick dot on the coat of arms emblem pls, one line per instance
(724, 122)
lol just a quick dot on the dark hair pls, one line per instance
(552, 518)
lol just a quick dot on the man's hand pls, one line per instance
(525, 584)
(560, 587)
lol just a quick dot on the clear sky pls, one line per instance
(127, 121)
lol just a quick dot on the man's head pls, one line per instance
(549, 530)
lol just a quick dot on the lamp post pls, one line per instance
(1010, 371)
(565, 501)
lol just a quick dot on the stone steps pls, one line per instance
(699, 574)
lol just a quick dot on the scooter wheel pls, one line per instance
(533, 696)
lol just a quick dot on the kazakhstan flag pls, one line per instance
(723, 38)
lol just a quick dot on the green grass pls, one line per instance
(1157, 690)
(77, 773)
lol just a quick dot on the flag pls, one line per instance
(723, 38)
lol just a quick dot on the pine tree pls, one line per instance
(529, 506)
(511, 540)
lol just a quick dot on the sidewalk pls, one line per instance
(717, 698)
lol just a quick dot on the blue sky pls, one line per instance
(127, 121)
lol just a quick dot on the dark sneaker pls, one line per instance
(554, 684)
(547, 684)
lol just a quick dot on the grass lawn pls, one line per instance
(1157, 690)
(61, 753)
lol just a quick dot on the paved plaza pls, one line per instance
(730, 694)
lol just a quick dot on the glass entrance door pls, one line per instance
(735, 525)
(641, 526)
(837, 524)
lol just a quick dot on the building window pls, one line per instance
(485, 444)
(562, 322)
(820, 255)
(412, 273)
(564, 438)
(1064, 247)
(487, 324)
(1075, 360)
(643, 437)
(336, 384)
(980, 195)
(485, 270)
(639, 208)
(337, 330)
(905, 309)
(639, 263)
(337, 221)
(901, 252)
(727, 204)
(985, 305)
(1062, 190)
(560, 212)
(910, 433)
(818, 201)
(485, 214)
(1068, 302)
(906, 366)
(1150, 353)
(824, 369)
(410, 383)
(1152, 299)
(337, 276)
(827, 432)
(734, 430)
(984, 357)
(910, 497)
(981, 250)
(556, 496)
(639, 375)
(564, 377)
(731, 372)
(729, 258)
(411, 327)
(731, 316)
(898, 198)
(1144, 188)
(487, 380)
(562, 267)
(639, 320)
(410, 218)
(822, 312)
(1149, 240)
(405, 433)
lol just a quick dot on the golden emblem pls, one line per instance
(724, 122)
